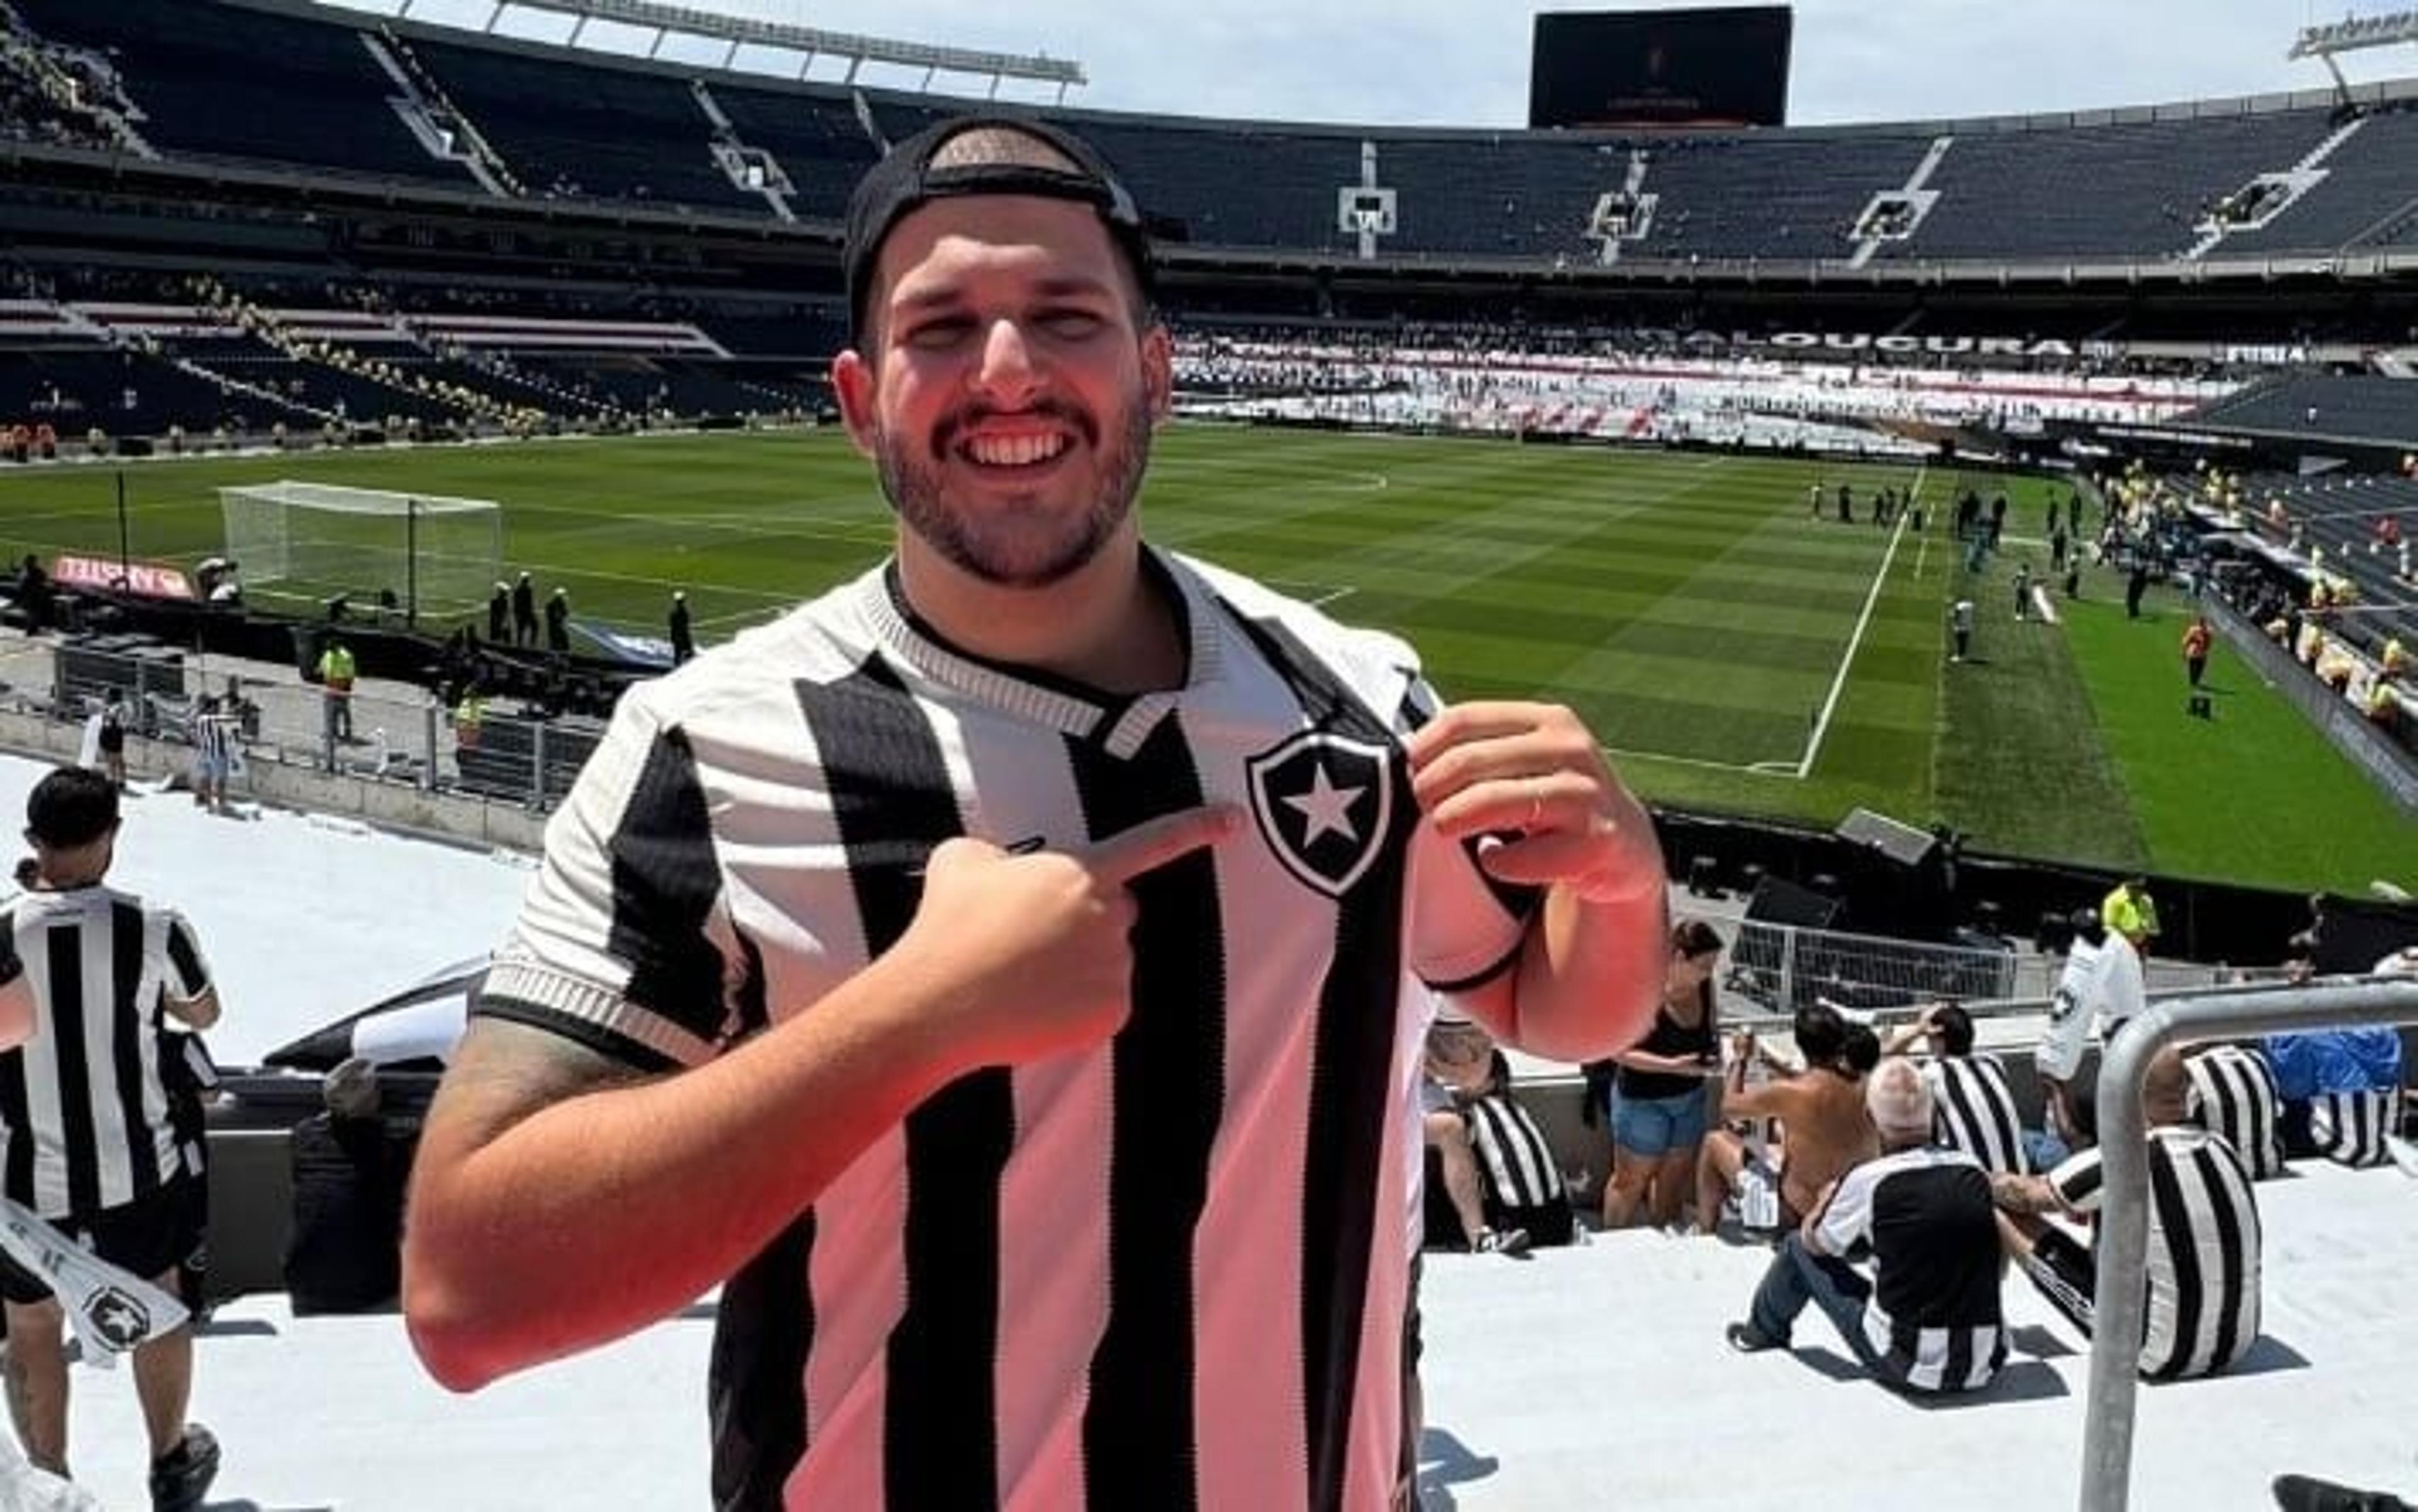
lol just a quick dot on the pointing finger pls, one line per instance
(1153, 843)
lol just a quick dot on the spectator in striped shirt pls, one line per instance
(2204, 1235)
(87, 1122)
(1002, 975)
(1974, 1102)
(1928, 1318)
(1459, 1061)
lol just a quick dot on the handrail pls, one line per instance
(2123, 1243)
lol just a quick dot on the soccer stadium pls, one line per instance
(1982, 544)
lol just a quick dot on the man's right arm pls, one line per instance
(560, 1199)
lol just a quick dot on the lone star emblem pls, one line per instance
(1325, 804)
(1328, 807)
(120, 1320)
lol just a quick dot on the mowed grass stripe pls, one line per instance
(1684, 602)
(2254, 792)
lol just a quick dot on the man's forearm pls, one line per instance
(16, 1006)
(532, 1238)
(2023, 1194)
(1591, 973)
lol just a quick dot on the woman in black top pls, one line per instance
(1659, 1090)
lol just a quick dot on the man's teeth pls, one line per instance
(1014, 450)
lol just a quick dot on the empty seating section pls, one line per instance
(123, 393)
(227, 81)
(573, 130)
(1234, 185)
(223, 80)
(1769, 197)
(347, 396)
(1498, 196)
(2323, 404)
(2134, 190)
(2369, 180)
(817, 139)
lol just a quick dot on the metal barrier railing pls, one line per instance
(2123, 1243)
(410, 739)
(1779, 968)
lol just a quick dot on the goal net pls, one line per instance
(434, 555)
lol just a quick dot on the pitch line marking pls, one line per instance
(1871, 597)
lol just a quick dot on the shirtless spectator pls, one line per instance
(1824, 1128)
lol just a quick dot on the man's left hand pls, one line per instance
(1534, 776)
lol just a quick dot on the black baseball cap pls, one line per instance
(906, 180)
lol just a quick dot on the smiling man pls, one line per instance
(1005, 974)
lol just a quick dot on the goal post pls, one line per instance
(422, 553)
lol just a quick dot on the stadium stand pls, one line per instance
(1777, 196)
(2322, 403)
(2366, 191)
(2133, 189)
(221, 81)
(572, 129)
(523, 119)
(816, 138)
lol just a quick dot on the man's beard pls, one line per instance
(988, 549)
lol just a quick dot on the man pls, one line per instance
(2101, 990)
(2196, 640)
(1003, 974)
(2204, 1244)
(1928, 1320)
(2130, 912)
(1975, 1101)
(336, 671)
(523, 611)
(1459, 1059)
(1960, 625)
(88, 1122)
(499, 609)
(683, 643)
(214, 750)
(558, 622)
(1821, 1112)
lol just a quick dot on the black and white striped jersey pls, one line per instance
(2233, 1093)
(1167, 1272)
(2348, 1127)
(1926, 1216)
(1512, 1152)
(83, 1113)
(2204, 1248)
(1973, 1110)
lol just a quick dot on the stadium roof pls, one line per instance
(670, 20)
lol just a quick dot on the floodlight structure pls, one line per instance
(2351, 35)
(670, 20)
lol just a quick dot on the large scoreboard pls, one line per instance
(1725, 66)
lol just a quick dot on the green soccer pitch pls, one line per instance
(1735, 653)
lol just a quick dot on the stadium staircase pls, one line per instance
(443, 129)
(332, 354)
(1914, 199)
(229, 384)
(737, 158)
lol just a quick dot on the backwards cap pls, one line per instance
(906, 180)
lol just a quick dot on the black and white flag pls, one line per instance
(112, 1313)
